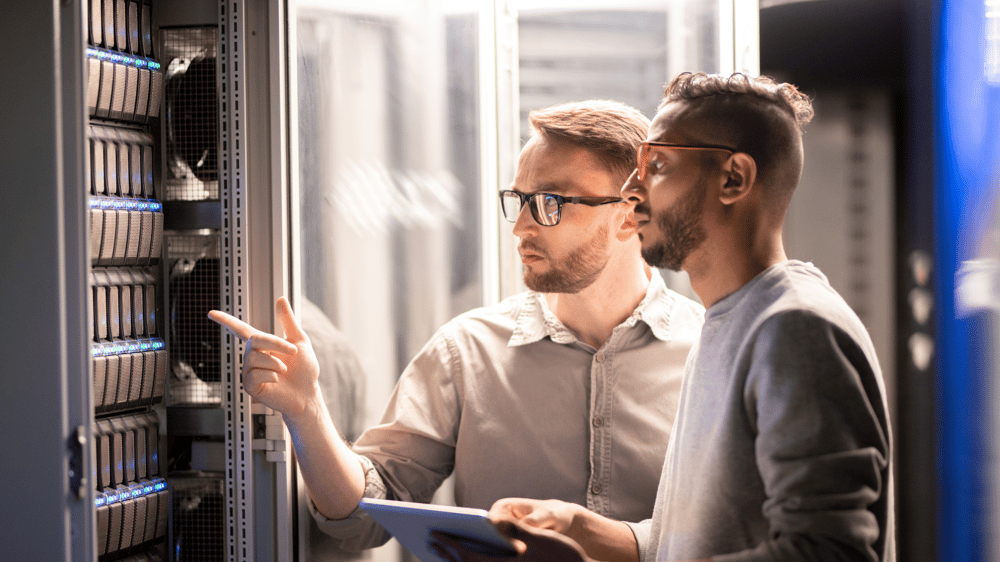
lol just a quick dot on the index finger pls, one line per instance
(242, 330)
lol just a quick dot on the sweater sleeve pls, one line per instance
(822, 442)
(642, 531)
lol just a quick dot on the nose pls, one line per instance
(634, 191)
(525, 223)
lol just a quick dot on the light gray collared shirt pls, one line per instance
(511, 402)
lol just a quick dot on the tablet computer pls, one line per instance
(412, 523)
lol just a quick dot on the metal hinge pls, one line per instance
(268, 433)
(77, 477)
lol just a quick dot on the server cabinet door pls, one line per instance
(44, 342)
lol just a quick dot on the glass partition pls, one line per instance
(389, 184)
(389, 173)
(624, 51)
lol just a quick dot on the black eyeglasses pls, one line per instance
(643, 153)
(546, 208)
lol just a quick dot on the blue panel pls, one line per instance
(967, 157)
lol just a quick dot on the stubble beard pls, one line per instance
(680, 232)
(575, 272)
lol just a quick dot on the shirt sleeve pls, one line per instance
(358, 531)
(412, 450)
(822, 442)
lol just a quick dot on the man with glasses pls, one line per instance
(782, 444)
(567, 391)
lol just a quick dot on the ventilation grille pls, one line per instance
(197, 533)
(193, 290)
(192, 114)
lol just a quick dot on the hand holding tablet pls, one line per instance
(412, 524)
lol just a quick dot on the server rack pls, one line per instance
(115, 457)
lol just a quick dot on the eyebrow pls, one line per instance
(554, 188)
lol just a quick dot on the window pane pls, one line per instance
(389, 179)
(569, 54)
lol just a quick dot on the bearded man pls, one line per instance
(783, 445)
(565, 391)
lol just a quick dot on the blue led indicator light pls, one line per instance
(112, 498)
(99, 501)
(131, 204)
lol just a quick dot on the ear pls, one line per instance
(741, 172)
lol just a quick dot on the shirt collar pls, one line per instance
(535, 321)
(655, 309)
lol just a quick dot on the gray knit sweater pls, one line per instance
(781, 449)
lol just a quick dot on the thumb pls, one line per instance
(511, 530)
(544, 543)
(286, 318)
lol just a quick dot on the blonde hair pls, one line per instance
(610, 129)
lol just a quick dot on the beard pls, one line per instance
(680, 232)
(575, 272)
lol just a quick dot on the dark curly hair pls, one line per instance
(754, 115)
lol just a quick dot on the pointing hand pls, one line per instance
(281, 373)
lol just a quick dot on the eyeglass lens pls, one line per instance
(642, 160)
(544, 207)
(642, 153)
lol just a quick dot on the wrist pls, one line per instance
(580, 528)
(312, 410)
(602, 538)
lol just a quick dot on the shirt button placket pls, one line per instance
(600, 436)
